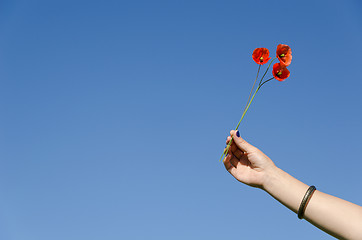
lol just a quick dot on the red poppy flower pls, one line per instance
(261, 55)
(284, 54)
(280, 72)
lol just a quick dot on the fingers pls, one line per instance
(243, 145)
(233, 149)
(233, 154)
(230, 162)
(227, 163)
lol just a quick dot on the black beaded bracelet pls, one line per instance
(305, 201)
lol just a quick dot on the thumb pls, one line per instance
(241, 143)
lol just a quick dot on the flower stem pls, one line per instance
(265, 82)
(242, 116)
(247, 107)
(245, 110)
(266, 71)
(251, 92)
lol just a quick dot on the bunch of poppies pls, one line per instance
(280, 73)
(284, 55)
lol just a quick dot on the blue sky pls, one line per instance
(114, 115)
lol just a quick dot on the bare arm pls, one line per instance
(333, 215)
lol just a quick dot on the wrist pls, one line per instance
(272, 177)
(284, 188)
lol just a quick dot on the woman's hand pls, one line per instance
(249, 165)
(246, 163)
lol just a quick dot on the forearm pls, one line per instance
(333, 215)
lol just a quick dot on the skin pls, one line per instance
(335, 216)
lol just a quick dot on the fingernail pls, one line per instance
(237, 133)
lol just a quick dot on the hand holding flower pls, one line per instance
(246, 163)
(280, 72)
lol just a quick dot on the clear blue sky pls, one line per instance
(114, 115)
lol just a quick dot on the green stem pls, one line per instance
(251, 92)
(266, 71)
(251, 100)
(246, 106)
(242, 116)
(265, 82)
